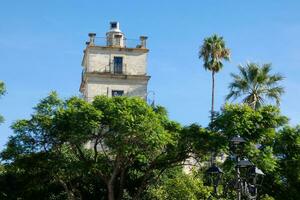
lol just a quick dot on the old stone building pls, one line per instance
(114, 65)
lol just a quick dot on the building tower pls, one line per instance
(112, 66)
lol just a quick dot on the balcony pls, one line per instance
(108, 72)
(117, 42)
(109, 69)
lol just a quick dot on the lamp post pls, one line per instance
(149, 100)
(236, 141)
(215, 174)
(246, 184)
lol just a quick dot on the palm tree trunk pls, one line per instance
(212, 109)
(212, 95)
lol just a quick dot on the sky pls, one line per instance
(42, 43)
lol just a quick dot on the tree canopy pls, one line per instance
(255, 85)
(120, 143)
(121, 148)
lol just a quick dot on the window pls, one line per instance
(117, 93)
(118, 65)
(113, 24)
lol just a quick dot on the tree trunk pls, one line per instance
(69, 192)
(111, 182)
(110, 187)
(212, 95)
(121, 189)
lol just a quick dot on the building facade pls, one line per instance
(114, 65)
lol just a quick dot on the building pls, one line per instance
(114, 65)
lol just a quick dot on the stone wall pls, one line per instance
(104, 86)
(101, 60)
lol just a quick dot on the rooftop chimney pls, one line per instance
(115, 37)
(143, 41)
(92, 39)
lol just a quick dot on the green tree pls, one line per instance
(214, 51)
(27, 156)
(287, 149)
(112, 147)
(255, 85)
(175, 184)
(258, 127)
(267, 197)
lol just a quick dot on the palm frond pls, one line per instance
(255, 83)
(274, 79)
(252, 72)
(243, 72)
(234, 94)
(2, 88)
(275, 93)
(213, 51)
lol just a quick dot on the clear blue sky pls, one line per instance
(41, 44)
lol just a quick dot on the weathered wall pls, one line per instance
(104, 86)
(101, 60)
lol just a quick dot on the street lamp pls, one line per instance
(150, 101)
(215, 174)
(256, 173)
(244, 163)
(236, 140)
(245, 184)
(255, 178)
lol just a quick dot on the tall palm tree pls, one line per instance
(213, 51)
(255, 85)
(2, 88)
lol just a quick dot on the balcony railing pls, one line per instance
(128, 43)
(108, 69)
(118, 42)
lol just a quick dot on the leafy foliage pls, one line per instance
(213, 51)
(120, 143)
(255, 84)
(2, 88)
(121, 148)
(204, 141)
(259, 128)
(177, 185)
(287, 149)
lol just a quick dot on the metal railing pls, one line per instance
(128, 43)
(108, 69)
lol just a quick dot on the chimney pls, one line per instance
(143, 41)
(92, 39)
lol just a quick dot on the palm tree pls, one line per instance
(255, 84)
(2, 88)
(213, 51)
